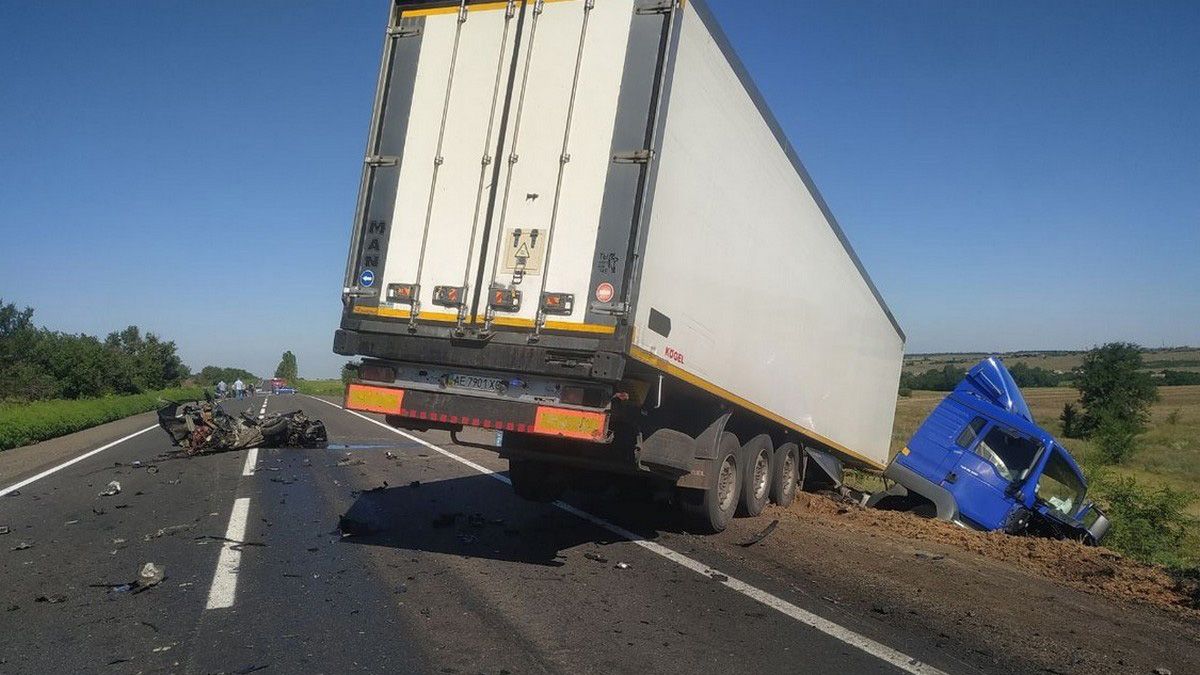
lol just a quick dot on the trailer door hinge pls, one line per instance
(633, 157)
(382, 160)
(396, 32)
(610, 309)
(651, 7)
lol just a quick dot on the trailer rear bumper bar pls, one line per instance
(423, 409)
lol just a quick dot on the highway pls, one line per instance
(448, 571)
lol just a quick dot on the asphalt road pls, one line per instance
(451, 573)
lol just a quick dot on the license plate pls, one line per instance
(475, 382)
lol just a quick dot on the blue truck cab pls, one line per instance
(980, 460)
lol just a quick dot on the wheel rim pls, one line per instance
(726, 482)
(789, 472)
(762, 475)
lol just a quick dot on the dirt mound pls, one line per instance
(1092, 569)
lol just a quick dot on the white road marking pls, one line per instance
(224, 583)
(251, 461)
(263, 410)
(69, 462)
(878, 650)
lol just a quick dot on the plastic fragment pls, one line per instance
(114, 488)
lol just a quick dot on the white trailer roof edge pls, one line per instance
(722, 40)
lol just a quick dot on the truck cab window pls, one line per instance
(971, 432)
(1060, 486)
(1010, 454)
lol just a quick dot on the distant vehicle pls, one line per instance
(285, 390)
(595, 238)
(980, 460)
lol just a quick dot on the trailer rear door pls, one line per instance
(500, 173)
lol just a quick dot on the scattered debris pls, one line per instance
(51, 599)
(1162, 671)
(151, 575)
(71, 522)
(22, 546)
(116, 661)
(350, 462)
(4, 529)
(924, 555)
(389, 454)
(595, 556)
(164, 532)
(206, 427)
(766, 532)
(237, 545)
(114, 488)
(717, 576)
(622, 566)
(285, 481)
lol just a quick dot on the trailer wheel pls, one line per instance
(536, 481)
(786, 474)
(712, 508)
(758, 463)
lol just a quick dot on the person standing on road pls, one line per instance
(221, 389)
(239, 388)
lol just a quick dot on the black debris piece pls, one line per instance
(766, 532)
(415, 484)
(22, 546)
(717, 576)
(595, 556)
(51, 599)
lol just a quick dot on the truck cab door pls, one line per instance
(981, 479)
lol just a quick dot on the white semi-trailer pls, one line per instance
(579, 224)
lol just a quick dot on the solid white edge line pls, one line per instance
(878, 650)
(69, 462)
(224, 584)
(251, 461)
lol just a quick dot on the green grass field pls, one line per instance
(321, 387)
(26, 423)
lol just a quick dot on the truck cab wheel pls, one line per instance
(786, 474)
(536, 481)
(712, 508)
(757, 461)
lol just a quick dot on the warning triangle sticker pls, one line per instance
(523, 252)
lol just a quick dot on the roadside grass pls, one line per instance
(26, 423)
(1168, 453)
(321, 387)
(1154, 359)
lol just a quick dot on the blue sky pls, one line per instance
(1014, 176)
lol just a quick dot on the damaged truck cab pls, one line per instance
(981, 461)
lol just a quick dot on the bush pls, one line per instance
(1113, 387)
(1070, 420)
(23, 424)
(1115, 439)
(1147, 524)
(1174, 378)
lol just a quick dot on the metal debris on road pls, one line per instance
(51, 599)
(4, 529)
(151, 575)
(389, 454)
(717, 576)
(114, 488)
(206, 427)
(22, 546)
(622, 566)
(166, 531)
(761, 535)
(595, 556)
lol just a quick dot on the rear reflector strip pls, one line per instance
(588, 426)
(374, 399)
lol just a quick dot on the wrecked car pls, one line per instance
(981, 461)
(206, 427)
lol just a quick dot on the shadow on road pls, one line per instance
(478, 517)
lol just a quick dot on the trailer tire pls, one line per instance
(712, 508)
(536, 481)
(786, 474)
(758, 463)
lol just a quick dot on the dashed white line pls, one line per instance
(251, 462)
(224, 584)
(263, 410)
(878, 650)
(69, 462)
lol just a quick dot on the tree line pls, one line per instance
(38, 363)
(947, 378)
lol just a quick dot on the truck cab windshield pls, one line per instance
(1060, 486)
(1011, 455)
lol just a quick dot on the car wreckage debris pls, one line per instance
(114, 488)
(205, 427)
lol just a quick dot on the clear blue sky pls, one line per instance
(1017, 175)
